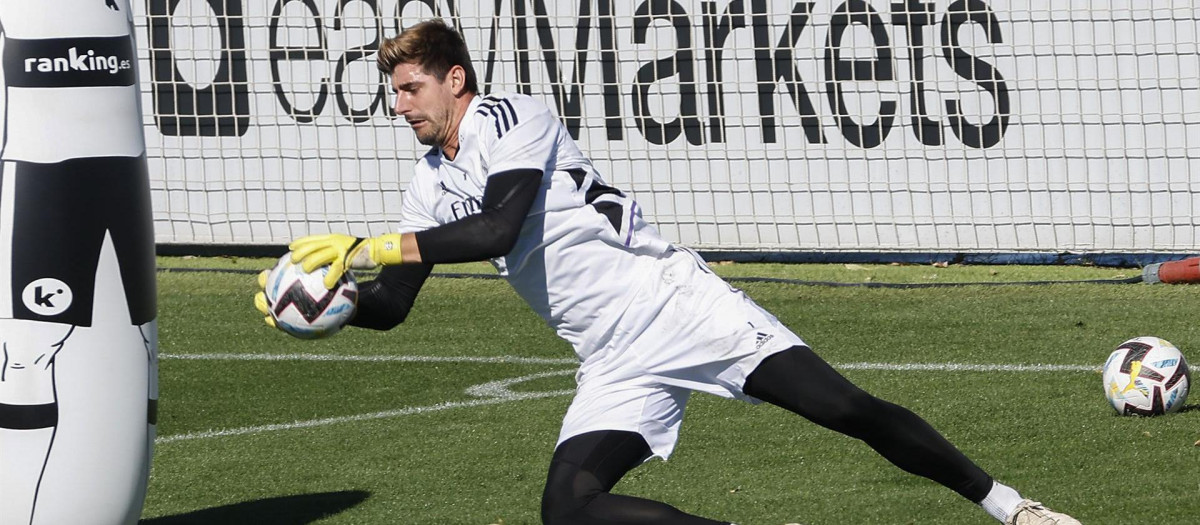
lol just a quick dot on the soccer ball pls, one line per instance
(1146, 376)
(300, 304)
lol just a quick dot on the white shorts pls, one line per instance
(686, 330)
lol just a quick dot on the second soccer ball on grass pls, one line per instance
(1146, 376)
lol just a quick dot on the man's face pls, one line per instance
(425, 102)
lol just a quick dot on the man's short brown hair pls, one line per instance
(431, 44)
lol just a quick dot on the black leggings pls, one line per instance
(800, 381)
(585, 467)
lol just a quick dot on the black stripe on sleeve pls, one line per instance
(504, 116)
(502, 111)
(511, 110)
(489, 110)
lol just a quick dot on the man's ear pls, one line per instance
(458, 80)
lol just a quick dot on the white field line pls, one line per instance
(499, 389)
(933, 367)
(207, 434)
(964, 367)
(496, 392)
(492, 393)
(373, 358)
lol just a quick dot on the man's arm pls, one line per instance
(490, 233)
(507, 198)
(385, 302)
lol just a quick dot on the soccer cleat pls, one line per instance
(1030, 512)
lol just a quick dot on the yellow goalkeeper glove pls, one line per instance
(260, 299)
(342, 252)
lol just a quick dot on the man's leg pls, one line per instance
(583, 471)
(800, 381)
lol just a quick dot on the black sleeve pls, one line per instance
(384, 302)
(493, 231)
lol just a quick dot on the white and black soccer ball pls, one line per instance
(1146, 376)
(300, 304)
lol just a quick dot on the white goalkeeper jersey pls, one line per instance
(584, 246)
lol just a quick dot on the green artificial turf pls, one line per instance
(373, 439)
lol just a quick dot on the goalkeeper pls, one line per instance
(503, 181)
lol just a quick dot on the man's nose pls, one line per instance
(402, 105)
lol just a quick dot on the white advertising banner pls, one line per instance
(758, 125)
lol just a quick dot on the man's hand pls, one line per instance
(342, 252)
(260, 299)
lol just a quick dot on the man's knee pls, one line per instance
(568, 490)
(798, 380)
(586, 467)
(852, 411)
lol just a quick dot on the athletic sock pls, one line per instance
(1001, 501)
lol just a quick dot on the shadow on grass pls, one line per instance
(1188, 408)
(284, 510)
